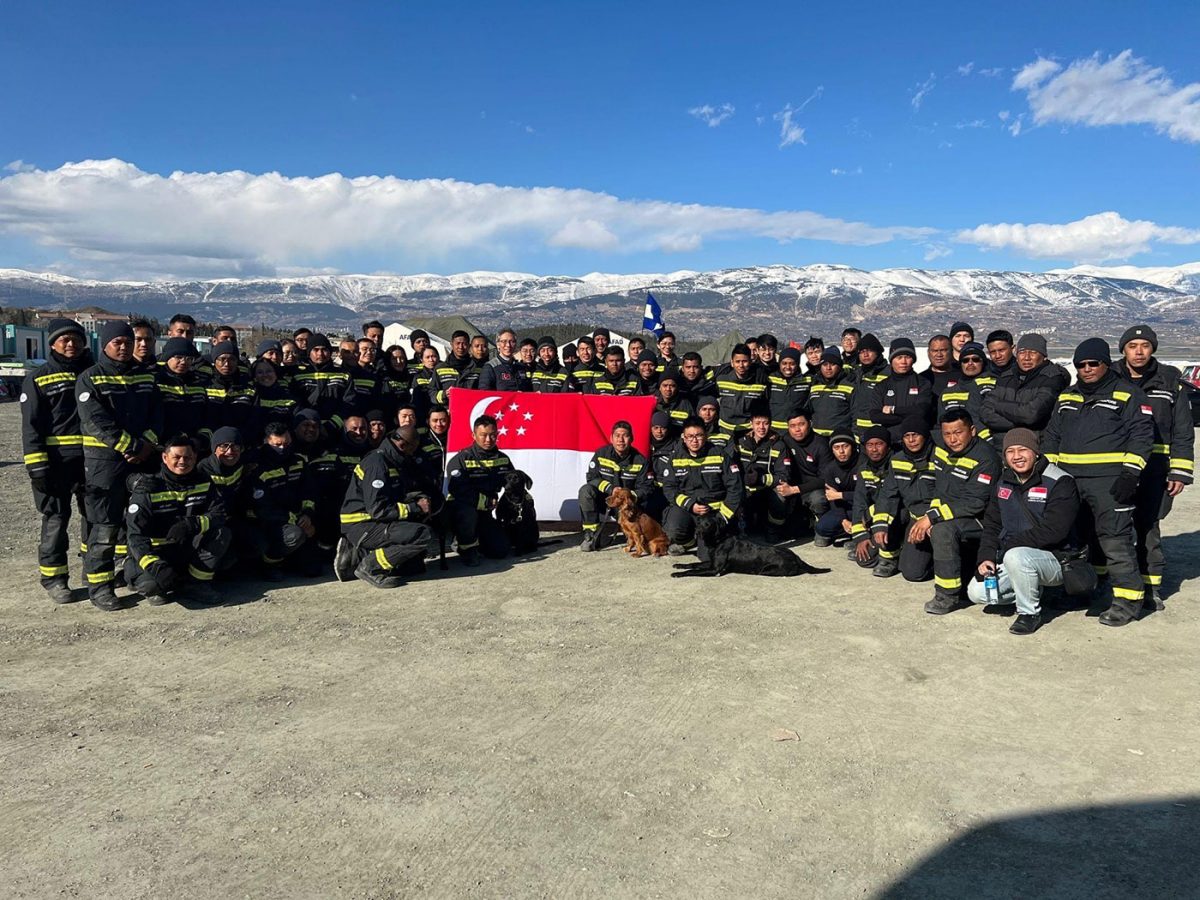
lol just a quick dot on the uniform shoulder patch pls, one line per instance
(85, 397)
(133, 507)
(377, 483)
(24, 396)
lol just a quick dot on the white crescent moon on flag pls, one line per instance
(480, 408)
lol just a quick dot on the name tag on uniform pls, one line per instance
(914, 390)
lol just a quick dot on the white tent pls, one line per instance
(614, 340)
(399, 333)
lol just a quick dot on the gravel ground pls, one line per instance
(579, 725)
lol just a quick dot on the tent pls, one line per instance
(439, 330)
(719, 350)
(614, 340)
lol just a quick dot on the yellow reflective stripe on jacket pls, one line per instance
(352, 518)
(32, 459)
(122, 379)
(64, 440)
(1100, 459)
(54, 378)
(1182, 465)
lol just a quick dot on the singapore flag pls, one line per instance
(550, 437)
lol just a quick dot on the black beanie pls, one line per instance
(647, 356)
(916, 424)
(227, 434)
(305, 415)
(178, 346)
(59, 327)
(661, 419)
(570, 350)
(831, 355)
(268, 345)
(1093, 348)
(791, 353)
(113, 330)
(877, 431)
(902, 346)
(962, 326)
(224, 347)
(870, 342)
(1139, 333)
(318, 340)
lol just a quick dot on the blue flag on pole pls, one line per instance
(652, 319)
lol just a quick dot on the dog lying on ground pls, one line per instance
(736, 555)
(644, 536)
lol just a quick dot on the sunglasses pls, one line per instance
(1089, 364)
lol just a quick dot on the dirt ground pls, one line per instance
(581, 725)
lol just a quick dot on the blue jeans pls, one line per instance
(1022, 574)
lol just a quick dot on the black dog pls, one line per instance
(736, 555)
(516, 515)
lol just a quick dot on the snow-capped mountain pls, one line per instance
(787, 299)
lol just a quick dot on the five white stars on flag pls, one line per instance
(503, 429)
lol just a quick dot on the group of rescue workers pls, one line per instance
(989, 471)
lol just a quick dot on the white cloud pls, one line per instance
(966, 68)
(1097, 238)
(922, 90)
(1122, 90)
(1003, 115)
(936, 250)
(19, 165)
(109, 217)
(857, 170)
(790, 132)
(973, 123)
(992, 73)
(712, 116)
(1014, 127)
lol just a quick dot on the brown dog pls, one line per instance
(644, 536)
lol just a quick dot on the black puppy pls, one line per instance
(736, 555)
(516, 515)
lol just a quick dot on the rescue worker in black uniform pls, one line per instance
(506, 372)
(475, 477)
(873, 465)
(739, 384)
(281, 505)
(830, 396)
(872, 371)
(450, 370)
(840, 476)
(230, 394)
(549, 375)
(120, 415)
(177, 529)
(384, 516)
(799, 483)
(647, 374)
(787, 389)
(903, 393)
(664, 438)
(756, 452)
(905, 495)
(228, 467)
(670, 401)
(397, 384)
(1102, 433)
(329, 475)
(1025, 396)
(696, 382)
(272, 400)
(1172, 458)
(967, 468)
(943, 367)
(322, 386)
(703, 489)
(618, 464)
(53, 446)
(180, 388)
(615, 380)
(973, 385)
(587, 369)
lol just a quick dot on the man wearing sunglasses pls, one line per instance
(1101, 432)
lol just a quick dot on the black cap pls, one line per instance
(305, 415)
(870, 342)
(831, 355)
(901, 347)
(570, 350)
(224, 347)
(227, 434)
(1093, 348)
(647, 356)
(1140, 333)
(916, 424)
(265, 346)
(319, 340)
(596, 332)
(707, 401)
(973, 348)
(877, 431)
(1033, 341)
(841, 437)
(59, 327)
(962, 326)
(661, 419)
(418, 334)
(791, 353)
(546, 341)
(178, 346)
(113, 330)
(376, 415)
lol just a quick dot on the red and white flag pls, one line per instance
(550, 437)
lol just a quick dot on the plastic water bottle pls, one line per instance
(991, 588)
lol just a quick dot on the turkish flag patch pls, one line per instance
(984, 478)
(1004, 493)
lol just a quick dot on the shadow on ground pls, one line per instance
(1110, 851)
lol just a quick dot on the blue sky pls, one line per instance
(873, 135)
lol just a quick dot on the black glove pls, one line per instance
(180, 532)
(753, 477)
(1124, 489)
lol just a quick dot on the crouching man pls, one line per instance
(476, 477)
(176, 527)
(703, 488)
(617, 465)
(384, 535)
(1029, 522)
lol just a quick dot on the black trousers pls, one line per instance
(384, 550)
(105, 497)
(955, 544)
(681, 528)
(53, 497)
(797, 512)
(1112, 538)
(1152, 505)
(168, 564)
